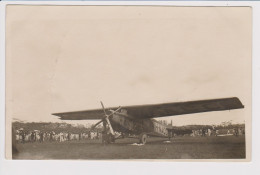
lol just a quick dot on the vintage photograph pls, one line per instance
(128, 82)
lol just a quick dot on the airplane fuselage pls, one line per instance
(124, 123)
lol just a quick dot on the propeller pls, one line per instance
(106, 118)
(103, 108)
(112, 111)
(96, 124)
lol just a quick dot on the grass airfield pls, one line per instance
(226, 147)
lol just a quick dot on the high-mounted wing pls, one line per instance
(94, 114)
(160, 110)
(180, 108)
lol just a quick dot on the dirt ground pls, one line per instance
(228, 147)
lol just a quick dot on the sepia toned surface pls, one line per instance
(67, 58)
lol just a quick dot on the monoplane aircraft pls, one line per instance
(138, 120)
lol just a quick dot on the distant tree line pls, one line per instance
(195, 127)
(223, 125)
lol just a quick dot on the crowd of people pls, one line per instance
(23, 136)
(217, 132)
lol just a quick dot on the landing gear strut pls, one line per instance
(108, 138)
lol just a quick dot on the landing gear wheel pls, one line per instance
(143, 138)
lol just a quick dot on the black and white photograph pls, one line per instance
(128, 82)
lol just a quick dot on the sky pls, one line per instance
(69, 58)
